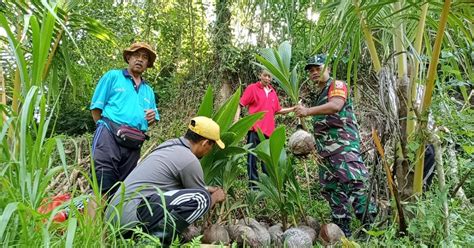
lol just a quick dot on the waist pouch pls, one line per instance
(126, 136)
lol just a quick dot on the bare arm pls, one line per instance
(333, 106)
(96, 114)
(284, 111)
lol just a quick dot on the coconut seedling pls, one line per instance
(220, 165)
(277, 62)
(231, 134)
(279, 184)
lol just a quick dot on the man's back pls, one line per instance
(172, 166)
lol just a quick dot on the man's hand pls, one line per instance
(150, 115)
(96, 114)
(217, 195)
(212, 189)
(301, 111)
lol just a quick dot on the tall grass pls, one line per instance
(30, 156)
(29, 162)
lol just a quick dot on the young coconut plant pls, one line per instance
(280, 185)
(231, 135)
(220, 166)
(277, 62)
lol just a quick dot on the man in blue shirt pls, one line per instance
(122, 99)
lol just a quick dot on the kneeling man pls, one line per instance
(166, 192)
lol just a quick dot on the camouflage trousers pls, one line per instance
(343, 178)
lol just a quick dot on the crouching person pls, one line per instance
(166, 192)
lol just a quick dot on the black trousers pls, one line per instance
(252, 169)
(187, 204)
(112, 162)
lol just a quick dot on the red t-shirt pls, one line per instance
(257, 101)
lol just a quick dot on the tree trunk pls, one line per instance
(427, 97)
(3, 91)
(402, 159)
(454, 172)
(402, 95)
(441, 179)
(225, 91)
(222, 41)
(404, 179)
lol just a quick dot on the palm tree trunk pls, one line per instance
(411, 121)
(222, 40)
(402, 87)
(3, 91)
(418, 179)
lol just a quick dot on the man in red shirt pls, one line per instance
(260, 97)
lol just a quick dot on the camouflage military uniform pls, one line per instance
(343, 175)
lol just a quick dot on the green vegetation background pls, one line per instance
(195, 52)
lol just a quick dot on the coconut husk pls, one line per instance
(243, 235)
(311, 222)
(276, 234)
(330, 234)
(190, 232)
(297, 238)
(263, 238)
(310, 231)
(215, 234)
(301, 143)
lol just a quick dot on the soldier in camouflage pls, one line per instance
(343, 175)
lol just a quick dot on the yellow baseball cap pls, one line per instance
(207, 128)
